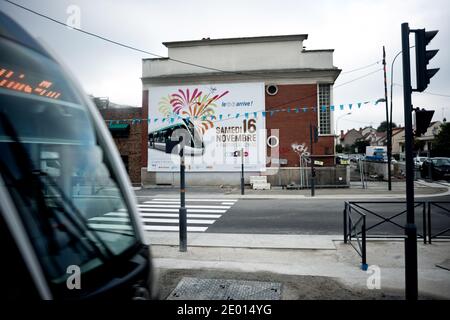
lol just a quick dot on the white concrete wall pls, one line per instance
(239, 57)
(195, 178)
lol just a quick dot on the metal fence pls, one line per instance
(361, 221)
(439, 208)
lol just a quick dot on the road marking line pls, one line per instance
(117, 214)
(176, 202)
(189, 221)
(176, 215)
(110, 219)
(177, 210)
(199, 200)
(174, 228)
(188, 206)
(110, 226)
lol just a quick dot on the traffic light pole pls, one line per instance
(313, 173)
(182, 211)
(410, 228)
(242, 172)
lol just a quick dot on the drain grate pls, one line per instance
(224, 289)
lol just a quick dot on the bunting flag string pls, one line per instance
(268, 113)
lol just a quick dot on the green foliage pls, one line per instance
(360, 145)
(441, 144)
(383, 126)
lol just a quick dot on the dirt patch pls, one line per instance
(293, 287)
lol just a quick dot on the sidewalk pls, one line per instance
(308, 267)
(377, 190)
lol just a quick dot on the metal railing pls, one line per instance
(351, 224)
(446, 211)
(355, 216)
(350, 231)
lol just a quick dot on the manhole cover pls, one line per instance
(223, 289)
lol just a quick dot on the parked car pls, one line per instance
(418, 161)
(439, 168)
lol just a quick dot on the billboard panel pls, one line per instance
(216, 121)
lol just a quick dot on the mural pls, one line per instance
(217, 120)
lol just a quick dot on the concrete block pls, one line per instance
(261, 186)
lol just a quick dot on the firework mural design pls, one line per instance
(197, 106)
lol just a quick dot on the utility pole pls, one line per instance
(410, 228)
(388, 125)
(182, 211)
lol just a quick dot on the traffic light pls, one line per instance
(422, 120)
(423, 57)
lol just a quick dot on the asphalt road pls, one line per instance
(316, 216)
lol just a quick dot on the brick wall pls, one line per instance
(294, 127)
(132, 145)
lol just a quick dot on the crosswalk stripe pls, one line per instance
(117, 214)
(111, 219)
(174, 228)
(190, 221)
(196, 200)
(158, 213)
(188, 206)
(110, 226)
(177, 210)
(176, 215)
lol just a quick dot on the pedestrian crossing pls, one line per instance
(162, 214)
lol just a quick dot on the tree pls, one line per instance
(441, 144)
(383, 126)
(360, 145)
(339, 148)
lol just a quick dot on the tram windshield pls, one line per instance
(55, 169)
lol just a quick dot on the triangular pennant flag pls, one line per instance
(172, 119)
(163, 119)
(296, 110)
(314, 109)
(203, 118)
(341, 107)
(255, 114)
(324, 108)
(271, 113)
(288, 109)
(148, 120)
(331, 108)
(156, 119)
(359, 104)
(237, 115)
(305, 109)
(350, 106)
(246, 115)
(220, 116)
(263, 113)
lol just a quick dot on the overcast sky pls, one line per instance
(357, 30)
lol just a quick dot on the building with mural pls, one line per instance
(262, 95)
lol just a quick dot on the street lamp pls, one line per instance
(335, 127)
